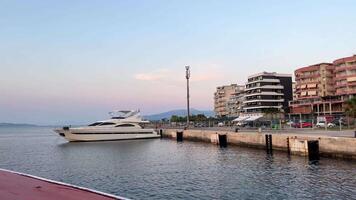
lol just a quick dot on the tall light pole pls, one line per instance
(187, 76)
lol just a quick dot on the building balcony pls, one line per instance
(264, 81)
(340, 85)
(301, 76)
(264, 94)
(261, 107)
(345, 68)
(263, 100)
(343, 77)
(265, 87)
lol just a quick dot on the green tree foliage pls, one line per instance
(271, 112)
(351, 107)
(193, 118)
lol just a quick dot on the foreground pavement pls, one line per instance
(16, 186)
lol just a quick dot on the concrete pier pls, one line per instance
(340, 147)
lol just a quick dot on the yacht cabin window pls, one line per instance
(95, 124)
(125, 125)
(107, 123)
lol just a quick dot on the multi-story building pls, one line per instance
(345, 76)
(265, 92)
(315, 81)
(294, 90)
(322, 89)
(228, 100)
(234, 104)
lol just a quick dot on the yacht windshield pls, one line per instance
(125, 125)
(107, 123)
(95, 124)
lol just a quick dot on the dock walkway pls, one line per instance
(18, 186)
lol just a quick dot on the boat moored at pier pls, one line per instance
(123, 125)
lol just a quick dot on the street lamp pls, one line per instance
(187, 76)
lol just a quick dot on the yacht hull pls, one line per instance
(83, 135)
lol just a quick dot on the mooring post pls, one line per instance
(313, 150)
(161, 133)
(270, 142)
(268, 138)
(179, 136)
(222, 140)
(288, 145)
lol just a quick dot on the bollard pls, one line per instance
(179, 136)
(236, 129)
(270, 142)
(222, 140)
(288, 146)
(313, 150)
(161, 133)
(268, 139)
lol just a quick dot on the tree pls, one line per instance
(201, 118)
(271, 112)
(350, 109)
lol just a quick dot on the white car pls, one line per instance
(331, 125)
(241, 124)
(321, 124)
(220, 124)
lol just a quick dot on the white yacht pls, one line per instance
(123, 125)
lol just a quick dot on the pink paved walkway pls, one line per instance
(21, 187)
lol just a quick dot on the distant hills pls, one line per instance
(179, 112)
(16, 125)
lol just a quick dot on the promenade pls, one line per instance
(341, 144)
(296, 131)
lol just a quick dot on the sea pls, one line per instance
(167, 169)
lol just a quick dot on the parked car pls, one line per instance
(336, 122)
(290, 123)
(331, 125)
(220, 124)
(304, 125)
(241, 124)
(322, 124)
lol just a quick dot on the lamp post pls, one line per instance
(187, 76)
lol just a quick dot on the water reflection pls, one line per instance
(165, 169)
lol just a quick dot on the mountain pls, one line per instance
(16, 125)
(179, 112)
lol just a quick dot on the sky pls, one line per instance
(71, 62)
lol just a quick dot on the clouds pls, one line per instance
(156, 75)
(200, 73)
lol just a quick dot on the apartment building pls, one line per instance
(345, 76)
(294, 89)
(315, 81)
(234, 104)
(228, 100)
(268, 91)
(322, 89)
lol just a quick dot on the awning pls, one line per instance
(240, 118)
(312, 93)
(311, 85)
(253, 118)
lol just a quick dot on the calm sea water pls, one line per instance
(165, 169)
